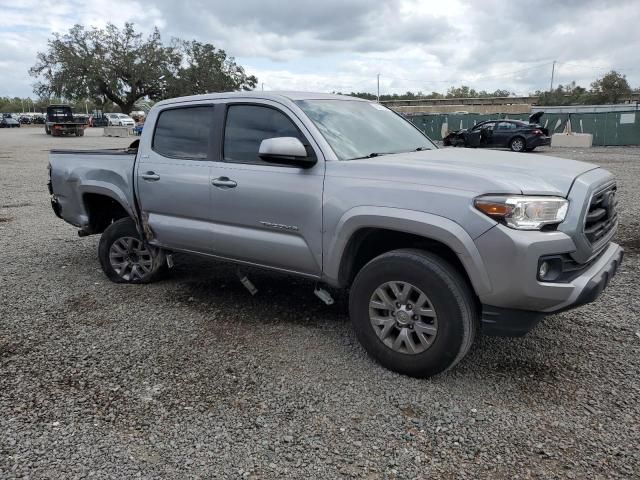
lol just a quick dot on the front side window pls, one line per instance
(183, 132)
(358, 129)
(485, 126)
(248, 125)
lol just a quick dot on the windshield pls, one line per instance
(357, 129)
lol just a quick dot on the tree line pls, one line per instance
(39, 105)
(612, 87)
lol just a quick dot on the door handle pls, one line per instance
(223, 182)
(150, 176)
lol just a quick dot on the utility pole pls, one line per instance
(553, 70)
(378, 88)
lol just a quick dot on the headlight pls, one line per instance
(522, 212)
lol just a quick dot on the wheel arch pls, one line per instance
(366, 232)
(102, 208)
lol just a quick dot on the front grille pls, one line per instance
(602, 215)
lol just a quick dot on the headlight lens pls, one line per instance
(523, 212)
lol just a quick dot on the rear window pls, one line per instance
(183, 132)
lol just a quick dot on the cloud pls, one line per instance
(341, 45)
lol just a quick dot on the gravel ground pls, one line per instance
(193, 377)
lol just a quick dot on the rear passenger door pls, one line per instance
(263, 213)
(173, 177)
(503, 133)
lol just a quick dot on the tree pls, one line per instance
(461, 92)
(611, 88)
(120, 66)
(570, 94)
(205, 69)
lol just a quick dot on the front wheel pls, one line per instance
(413, 312)
(125, 257)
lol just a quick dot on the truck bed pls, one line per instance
(75, 175)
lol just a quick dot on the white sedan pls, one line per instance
(120, 120)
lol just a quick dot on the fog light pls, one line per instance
(543, 270)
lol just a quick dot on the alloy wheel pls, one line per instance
(130, 258)
(403, 317)
(517, 145)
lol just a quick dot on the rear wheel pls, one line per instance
(125, 257)
(413, 312)
(517, 144)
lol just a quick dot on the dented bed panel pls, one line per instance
(79, 172)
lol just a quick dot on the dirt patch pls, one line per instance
(9, 348)
(5, 219)
(631, 245)
(16, 205)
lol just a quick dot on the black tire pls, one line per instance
(119, 230)
(47, 131)
(81, 133)
(450, 295)
(518, 144)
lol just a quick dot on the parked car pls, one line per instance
(517, 135)
(434, 246)
(7, 121)
(38, 120)
(25, 120)
(120, 120)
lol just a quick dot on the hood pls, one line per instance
(477, 171)
(535, 118)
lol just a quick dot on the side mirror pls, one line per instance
(285, 151)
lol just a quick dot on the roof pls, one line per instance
(257, 94)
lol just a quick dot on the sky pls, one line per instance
(342, 45)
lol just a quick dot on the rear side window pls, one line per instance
(248, 125)
(506, 126)
(183, 132)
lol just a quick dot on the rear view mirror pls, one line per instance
(285, 151)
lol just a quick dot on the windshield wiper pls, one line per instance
(371, 155)
(377, 154)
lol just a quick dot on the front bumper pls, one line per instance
(506, 322)
(511, 260)
(588, 289)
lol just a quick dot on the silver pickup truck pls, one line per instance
(434, 245)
